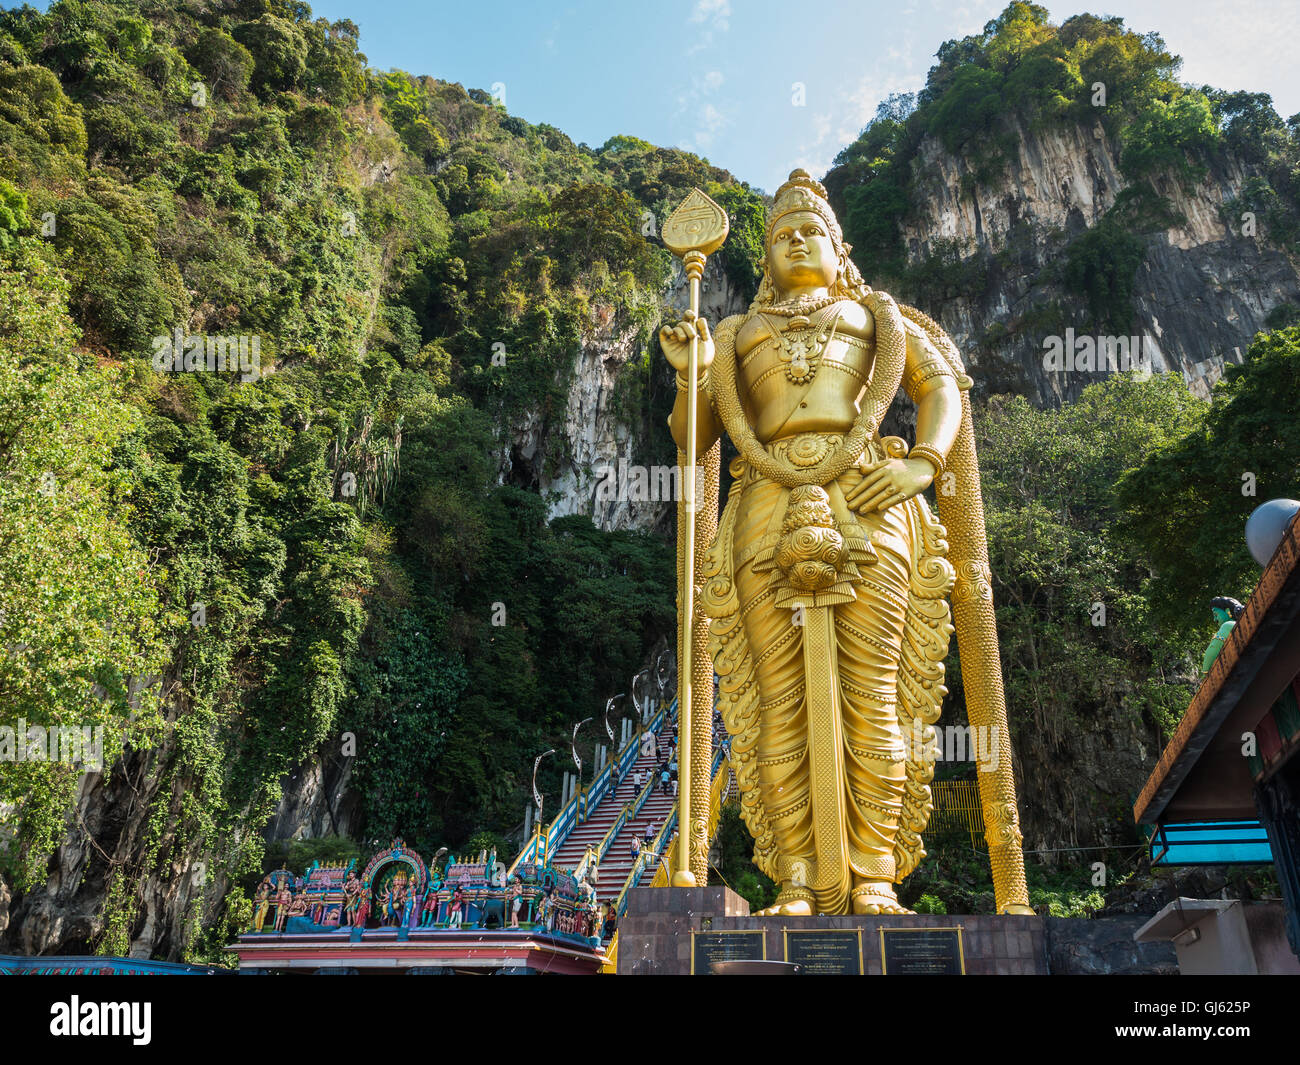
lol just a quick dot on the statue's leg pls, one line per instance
(777, 646)
(869, 642)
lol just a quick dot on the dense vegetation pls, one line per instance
(254, 567)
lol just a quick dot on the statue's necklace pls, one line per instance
(802, 306)
(802, 354)
(886, 376)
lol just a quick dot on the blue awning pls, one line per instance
(1210, 843)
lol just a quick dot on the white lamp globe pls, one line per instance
(1267, 525)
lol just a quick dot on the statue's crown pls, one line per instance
(802, 193)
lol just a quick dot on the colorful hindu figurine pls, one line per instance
(430, 913)
(298, 906)
(1226, 612)
(409, 908)
(283, 899)
(351, 898)
(363, 908)
(516, 900)
(263, 903)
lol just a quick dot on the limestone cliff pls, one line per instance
(1201, 293)
(600, 435)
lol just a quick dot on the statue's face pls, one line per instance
(802, 254)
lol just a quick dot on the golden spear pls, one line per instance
(694, 231)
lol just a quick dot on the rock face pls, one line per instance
(601, 438)
(69, 912)
(1201, 293)
(1105, 947)
(315, 802)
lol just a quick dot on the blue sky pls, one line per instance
(716, 76)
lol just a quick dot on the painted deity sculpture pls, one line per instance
(825, 584)
(1227, 611)
(351, 898)
(261, 903)
(283, 900)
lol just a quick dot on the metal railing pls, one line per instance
(957, 809)
(631, 809)
(719, 785)
(719, 790)
(547, 841)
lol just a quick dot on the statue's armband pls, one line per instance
(926, 369)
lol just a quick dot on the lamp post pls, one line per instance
(637, 688)
(609, 729)
(663, 672)
(537, 795)
(574, 747)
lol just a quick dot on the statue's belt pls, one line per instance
(804, 450)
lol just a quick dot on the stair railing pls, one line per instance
(719, 786)
(584, 803)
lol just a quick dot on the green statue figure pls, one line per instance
(1226, 611)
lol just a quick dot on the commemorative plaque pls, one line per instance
(739, 945)
(922, 952)
(825, 951)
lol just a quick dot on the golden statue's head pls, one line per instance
(805, 248)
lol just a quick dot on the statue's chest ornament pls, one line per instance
(800, 346)
(886, 377)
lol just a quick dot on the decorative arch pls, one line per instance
(397, 853)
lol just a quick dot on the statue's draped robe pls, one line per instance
(891, 627)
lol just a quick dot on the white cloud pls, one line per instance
(715, 16)
(715, 11)
(708, 118)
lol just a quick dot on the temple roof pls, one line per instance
(1202, 773)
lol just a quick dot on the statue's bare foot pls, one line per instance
(875, 897)
(790, 902)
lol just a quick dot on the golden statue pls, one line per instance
(823, 590)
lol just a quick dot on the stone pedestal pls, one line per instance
(655, 934)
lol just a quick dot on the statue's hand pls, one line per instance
(676, 342)
(893, 481)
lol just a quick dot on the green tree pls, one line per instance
(80, 644)
(1083, 660)
(278, 49)
(1186, 505)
